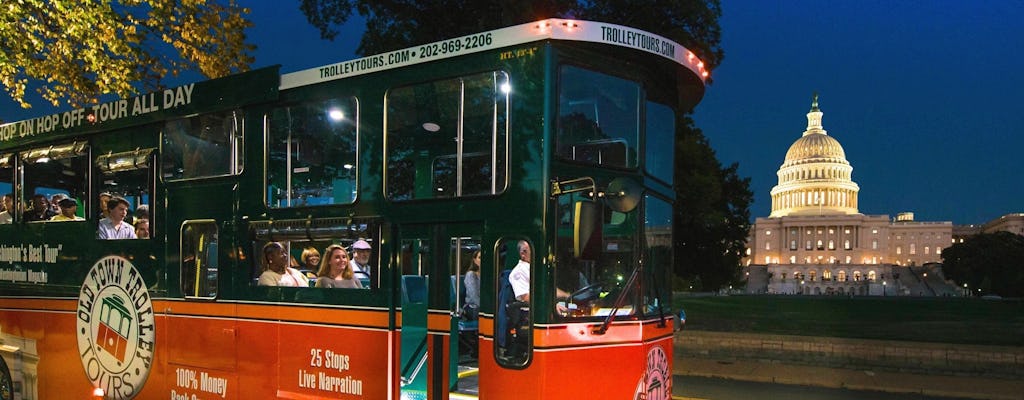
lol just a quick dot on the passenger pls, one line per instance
(361, 258)
(114, 227)
(310, 262)
(68, 210)
(142, 228)
(276, 271)
(472, 280)
(7, 215)
(335, 270)
(104, 199)
(40, 209)
(142, 212)
(55, 201)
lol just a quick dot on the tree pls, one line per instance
(712, 214)
(76, 51)
(992, 262)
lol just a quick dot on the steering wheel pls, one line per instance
(587, 293)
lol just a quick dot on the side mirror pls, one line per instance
(623, 194)
(586, 230)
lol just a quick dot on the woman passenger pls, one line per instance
(472, 280)
(310, 262)
(335, 271)
(276, 271)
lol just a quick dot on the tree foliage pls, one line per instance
(78, 50)
(992, 262)
(712, 214)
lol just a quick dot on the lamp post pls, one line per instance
(883, 288)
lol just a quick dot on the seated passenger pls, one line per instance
(40, 209)
(7, 215)
(55, 202)
(310, 262)
(335, 270)
(104, 200)
(361, 258)
(142, 212)
(276, 271)
(142, 228)
(472, 280)
(68, 208)
(114, 227)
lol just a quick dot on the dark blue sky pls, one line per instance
(924, 96)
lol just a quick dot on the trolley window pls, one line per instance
(199, 263)
(447, 138)
(7, 213)
(659, 154)
(202, 146)
(59, 170)
(130, 175)
(312, 154)
(513, 304)
(598, 118)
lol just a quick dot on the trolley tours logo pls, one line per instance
(115, 328)
(655, 384)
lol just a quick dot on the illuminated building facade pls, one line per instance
(815, 241)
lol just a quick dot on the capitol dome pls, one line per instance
(815, 147)
(815, 178)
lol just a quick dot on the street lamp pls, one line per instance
(883, 288)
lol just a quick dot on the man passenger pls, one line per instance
(114, 227)
(68, 211)
(361, 259)
(40, 209)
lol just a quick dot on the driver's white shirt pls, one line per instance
(520, 279)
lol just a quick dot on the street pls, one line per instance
(689, 387)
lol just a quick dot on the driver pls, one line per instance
(519, 278)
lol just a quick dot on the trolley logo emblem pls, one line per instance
(115, 328)
(656, 384)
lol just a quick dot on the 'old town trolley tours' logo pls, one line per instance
(655, 384)
(115, 328)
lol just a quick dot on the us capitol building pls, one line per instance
(816, 242)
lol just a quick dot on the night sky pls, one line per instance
(924, 96)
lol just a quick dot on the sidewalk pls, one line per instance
(932, 385)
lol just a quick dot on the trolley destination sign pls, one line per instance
(177, 101)
(559, 29)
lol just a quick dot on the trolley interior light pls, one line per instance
(505, 88)
(336, 114)
(431, 127)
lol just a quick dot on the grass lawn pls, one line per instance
(921, 319)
